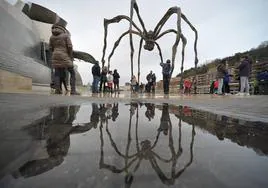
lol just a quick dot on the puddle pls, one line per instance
(139, 145)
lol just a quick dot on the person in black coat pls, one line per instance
(116, 80)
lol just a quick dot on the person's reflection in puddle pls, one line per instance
(165, 120)
(115, 113)
(150, 112)
(56, 132)
(145, 149)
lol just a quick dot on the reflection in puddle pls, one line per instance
(142, 144)
(145, 148)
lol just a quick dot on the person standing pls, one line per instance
(71, 68)
(187, 86)
(103, 79)
(149, 79)
(62, 56)
(221, 71)
(244, 72)
(61, 48)
(134, 83)
(166, 70)
(96, 77)
(226, 81)
(116, 80)
(110, 79)
(153, 82)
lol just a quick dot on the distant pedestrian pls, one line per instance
(226, 81)
(221, 71)
(103, 79)
(166, 71)
(153, 82)
(141, 87)
(110, 79)
(149, 79)
(244, 73)
(134, 83)
(211, 89)
(116, 80)
(216, 86)
(187, 84)
(96, 77)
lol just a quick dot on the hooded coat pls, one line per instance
(61, 46)
(221, 71)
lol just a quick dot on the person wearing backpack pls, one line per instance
(166, 70)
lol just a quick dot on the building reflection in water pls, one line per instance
(145, 148)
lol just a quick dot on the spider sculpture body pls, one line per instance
(150, 37)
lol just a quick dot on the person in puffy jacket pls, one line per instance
(62, 56)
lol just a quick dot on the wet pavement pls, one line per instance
(131, 144)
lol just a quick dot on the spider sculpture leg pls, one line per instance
(130, 36)
(196, 37)
(184, 42)
(112, 168)
(116, 19)
(134, 6)
(159, 50)
(173, 10)
(195, 46)
(118, 42)
(139, 59)
(176, 10)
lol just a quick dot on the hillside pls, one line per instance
(259, 54)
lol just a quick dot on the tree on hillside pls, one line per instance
(263, 44)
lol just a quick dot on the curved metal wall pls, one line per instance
(25, 66)
(20, 45)
(17, 35)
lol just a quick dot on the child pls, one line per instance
(134, 84)
(216, 85)
(110, 79)
(187, 86)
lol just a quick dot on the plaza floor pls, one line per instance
(132, 140)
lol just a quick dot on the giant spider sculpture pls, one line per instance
(150, 37)
(145, 151)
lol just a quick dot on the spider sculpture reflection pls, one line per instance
(150, 37)
(145, 150)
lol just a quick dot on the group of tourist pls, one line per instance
(151, 80)
(221, 85)
(104, 80)
(108, 81)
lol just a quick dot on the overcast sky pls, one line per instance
(225, 27)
